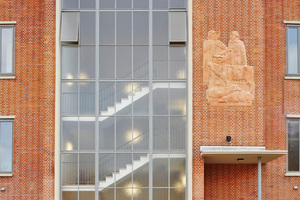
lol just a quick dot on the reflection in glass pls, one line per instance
(160, 170)
(69, 169)
(69, 62)
(124, 193)
(7, 50)
(177, 171)
(177, 193)
(87, 135)
(87, 62)
(6, 146)
(87, 28)
(293, 50)
(69, 135)
(107, 27)
(86, 169)
(293, 144)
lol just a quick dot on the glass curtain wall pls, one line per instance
(123, 100)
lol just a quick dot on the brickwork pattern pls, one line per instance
(260, 24)
(30, 97)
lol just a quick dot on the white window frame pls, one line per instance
(10, 24)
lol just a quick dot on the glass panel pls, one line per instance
(87, 98)
(177, 193)
(106, 170)
(160, 28)
(87, 28)
(141, 62)
(106, 194)
(293, 144)
(140, 133)
(107, 133)
(107, 27)
(69, 26)
(124, 166)
(177, 4)
(293, 50)
(107, 4)
(69, 135)
(177, 132)
(124, 3)
(178, 98)
(107, 62)
(140, 98)
(69, 99)
(177, 171)
(7, 50)
(160, 62)
(124, 62)
(140, 193)
(124, 132)
(70, 4)
(140, 3)
(160, 194)
(141, 175)
(86, 169)
(124, 27)
(69, 62)
(6, 146)
(66, 195)
(160, 4)
(87, 62)
(87, 3)
(160, 170)
(107, 98)
(140, 28)
(177, 62)
(124, 98)
(160, 133)
(85, 195)
(87, 135)
(69, 169)
(160, 98)
(124, 193)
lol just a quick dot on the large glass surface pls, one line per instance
(7, 50)
(69, 62)
(123, 102)
(107, 27)
(87, 27)
(6, 146)
(293, 144)
(293, 50)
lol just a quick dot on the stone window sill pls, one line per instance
(292, 174)
(7, 77)
(5, 174)
(292, 77)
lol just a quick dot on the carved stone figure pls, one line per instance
(237, 51)
(212, 47)
(228, 78)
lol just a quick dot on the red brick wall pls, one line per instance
(261, 27)
(30, 97)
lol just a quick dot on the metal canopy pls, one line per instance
(238, 154)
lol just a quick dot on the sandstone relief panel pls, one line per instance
(226, 74)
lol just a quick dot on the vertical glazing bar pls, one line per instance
(97, 106)
(150, 103)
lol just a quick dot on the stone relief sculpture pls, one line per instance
(226, 74)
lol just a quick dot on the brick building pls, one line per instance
(149, 99)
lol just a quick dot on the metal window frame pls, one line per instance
(9, 119)
(8, 25)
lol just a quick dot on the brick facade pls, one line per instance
(30, 97)
(261, 27)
